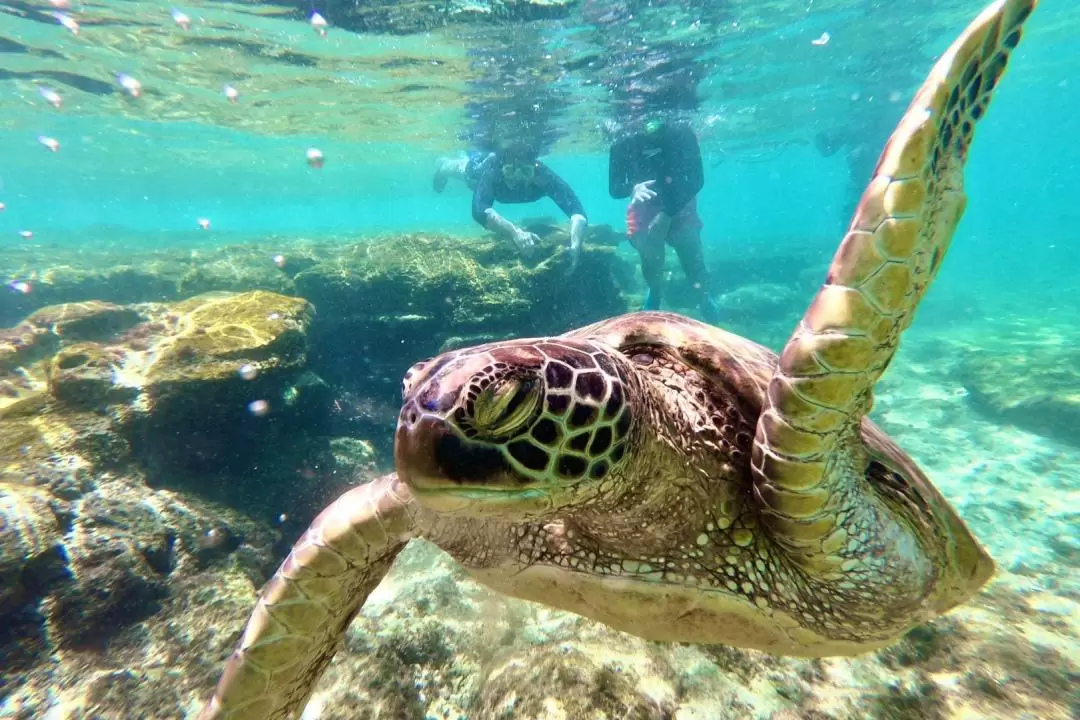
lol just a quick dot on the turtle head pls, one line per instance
(513, 428)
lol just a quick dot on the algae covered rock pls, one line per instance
(388, 302)
(422, 281)
(17, 345)
(205, 340)
(104, 406)
(89, 320)
(383, 302)
(82, 374)
(84, 271)
(22, 392)
(102, 353)
(182, 385)
(87, 547)
(210, 337)
(87, 557)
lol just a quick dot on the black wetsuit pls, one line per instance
(491, 187)
(671, 156)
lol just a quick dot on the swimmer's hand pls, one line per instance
(643, 192)
(524, 239)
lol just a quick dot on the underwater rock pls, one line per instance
(352, 452)
(797, 264)
(22, 392)
(426, 283)
(119, 424)
(141, 272)
(762, 302)
(18, 344)
(432, 643)
(138, 272)
(89, 321)
(82, 557)
(207, 370)
(764, 311)
(210, 337)
(82, 375)
(209, 395)
(120, 552)
(457, 342)
(383, 302)
(387, 303)
(1035, 385)
(30, 547)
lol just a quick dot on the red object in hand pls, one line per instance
(631, 219)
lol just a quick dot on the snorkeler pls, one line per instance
(515, 176)
(660, 169)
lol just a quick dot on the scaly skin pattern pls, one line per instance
(303, 611)
(625, 493)
(665, 477)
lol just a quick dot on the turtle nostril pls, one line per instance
(408, 417)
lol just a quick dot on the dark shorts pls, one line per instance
(638, 217)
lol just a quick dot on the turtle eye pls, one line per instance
(506, 406)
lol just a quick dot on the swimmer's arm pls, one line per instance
(509, 231)
(482, 200)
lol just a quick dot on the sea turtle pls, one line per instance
(665, 477)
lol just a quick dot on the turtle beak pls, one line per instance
(414, 449)
(430, 456)
(450, 474)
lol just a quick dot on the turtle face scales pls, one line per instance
(513, 429)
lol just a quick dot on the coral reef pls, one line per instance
(382, 303)
(128, 432)
(385, 305)
(181, 388)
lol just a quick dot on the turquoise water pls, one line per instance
(110, 167)
(136, 529)
(129, 164)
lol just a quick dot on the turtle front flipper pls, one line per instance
(302, 613)
(822, 387)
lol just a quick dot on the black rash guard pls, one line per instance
(671, 156)
(492, 187)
